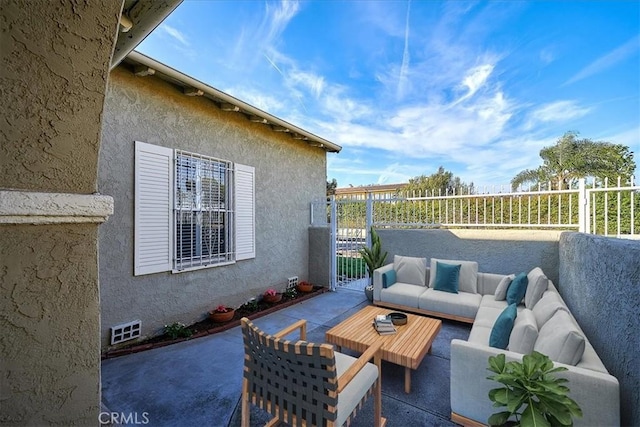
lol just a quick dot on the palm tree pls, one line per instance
(573, 158)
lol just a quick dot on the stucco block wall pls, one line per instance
(289, 174)
(496, 251)
(600, 282)
(320, 256)
(55, 60)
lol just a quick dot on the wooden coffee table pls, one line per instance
(406, 348)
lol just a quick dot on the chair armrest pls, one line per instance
(349, 374)
(301, 324)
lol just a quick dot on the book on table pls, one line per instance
(384, 325)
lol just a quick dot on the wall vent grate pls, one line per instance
(292, 282)
(125, 331)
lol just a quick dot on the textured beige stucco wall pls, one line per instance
(54, 66)
(289, 174)
(49, 343)
(55, 57)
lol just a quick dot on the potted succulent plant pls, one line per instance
(530, 383)
(271, 296)
(374, 258)
(221, 314)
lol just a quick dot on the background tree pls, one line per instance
(572, 158)
(331, 187)
(442, 182)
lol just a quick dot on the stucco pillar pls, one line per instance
(55, 63)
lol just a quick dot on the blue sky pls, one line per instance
(405, 87)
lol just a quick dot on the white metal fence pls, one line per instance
(595, 207)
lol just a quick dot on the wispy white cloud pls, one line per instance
(558, 111)
(404, 68)
(277, 18)
(175, 34)
(622, 52)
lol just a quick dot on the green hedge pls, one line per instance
(351, 267)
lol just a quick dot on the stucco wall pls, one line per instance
(55, 61)
(496, 251)
(320, 256)
(600, 279)
(288, 175)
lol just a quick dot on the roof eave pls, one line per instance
(225, 101)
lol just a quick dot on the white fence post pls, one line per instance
(583, 207)
(334, 242)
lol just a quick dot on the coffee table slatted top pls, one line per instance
(407, 347)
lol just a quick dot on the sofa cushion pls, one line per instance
(447, 276)
(463, 304)
(502, 328)
(547, 307)
(560, 339)
(480, 335)
(536, 286)
(410, 270)
(403, 294)
(517, 289)
(388, 278)
(525, 332)
(501, 290)
(468, 280)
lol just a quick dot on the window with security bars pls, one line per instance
(203, 209)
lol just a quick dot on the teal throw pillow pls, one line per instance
(501, 330)
(447, 276)
(388, 278)
(517, 289)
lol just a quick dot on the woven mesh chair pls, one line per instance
(306, 384)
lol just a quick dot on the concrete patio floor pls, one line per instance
(198, 382)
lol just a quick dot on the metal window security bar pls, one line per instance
(203, 211)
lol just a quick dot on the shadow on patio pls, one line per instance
(198, 382)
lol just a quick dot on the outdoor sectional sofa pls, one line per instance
(543, 323)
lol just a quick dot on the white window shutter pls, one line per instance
(153, 228)
(245, 212)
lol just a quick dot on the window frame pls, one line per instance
(155, 225)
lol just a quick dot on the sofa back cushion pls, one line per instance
(537, 285)
(410, 270)
(547, 307)
(468, 279)
(560, 339)
(501, 290)
(524, 333)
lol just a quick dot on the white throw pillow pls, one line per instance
(524, 333)
(468, 279)
(537, 285)
(560, 339)
(410, 270)
(547, 307)
(501, 290)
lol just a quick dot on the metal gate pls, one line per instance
(348, 219)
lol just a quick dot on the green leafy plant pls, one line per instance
(251, 305)
(177, 330)
(373, 256)
(531, 384)
(290, 293)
